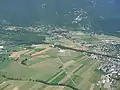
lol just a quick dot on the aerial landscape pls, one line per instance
(76, 47)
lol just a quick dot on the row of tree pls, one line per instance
(40, 81)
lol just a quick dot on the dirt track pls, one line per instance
(70, 74)
(41, 56)
(68, 63)
(41, 52)
(17, 54)
(54, 88)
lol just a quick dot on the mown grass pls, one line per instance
(5, 63)
(118, 85)
(4, 86)
(1, 79)
(38, 49)
(76, 79)
(59, 78)
(96, 76)
(52, 53)
(34, 61)
(85, 62)
(89, 39)
(79, 57)
(24, 57)
(27, 86)
(16, 48)
(54, 75)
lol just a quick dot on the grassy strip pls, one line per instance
(5, 63)
(75, 78)
(54, 75)
(78, 68)
(85, 62)
(59, 78)
(78, 58)
(40, 81)
(31, 62)
(96, 76)
(4, 87)
(2, 79)
(38, 49)
(90, 39)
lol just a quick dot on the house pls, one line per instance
(35, 45)
(1, 47)
(61, 50)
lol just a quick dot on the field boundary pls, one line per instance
(40, 81)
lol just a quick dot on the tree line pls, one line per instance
(39, 81)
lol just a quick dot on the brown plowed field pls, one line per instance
(41, 52)
(17, 54)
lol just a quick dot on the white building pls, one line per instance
(35, 45)
(61, 50)
(1, 47)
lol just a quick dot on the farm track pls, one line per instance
(41, 52)
(55, 76)
(17, 54)
(53, 88)
(87, 75)
(70, 74)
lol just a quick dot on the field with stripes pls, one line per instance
(49, 68)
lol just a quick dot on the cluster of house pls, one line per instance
(108, 64)
(109, 48)
(107, 82)
(111, 67)
(58, 32)
(1, 49)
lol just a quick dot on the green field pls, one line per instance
(97, 75)
(118, 85)
(89, 38)
(77, 79)
(59, 78)
(38, 49)
(32, 61)
(77, 65)
(5, 63)
(46, 70)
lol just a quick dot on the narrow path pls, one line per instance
(17, 54)
(54, 88)
(41, 52)
(87, 75)
(55, 77)
(70, 74)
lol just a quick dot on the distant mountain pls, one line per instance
(98, 15)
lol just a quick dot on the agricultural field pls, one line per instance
(49, 68)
